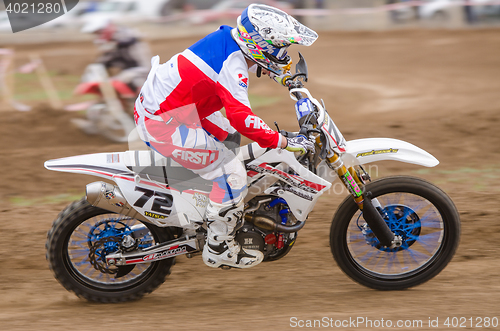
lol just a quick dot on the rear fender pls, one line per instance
(104, 165)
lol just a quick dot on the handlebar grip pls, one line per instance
(287, 134)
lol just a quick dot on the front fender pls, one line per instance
(362, 151)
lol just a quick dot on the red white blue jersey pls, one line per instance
(194, 84)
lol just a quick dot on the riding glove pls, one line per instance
(299, 144)
(281, 79)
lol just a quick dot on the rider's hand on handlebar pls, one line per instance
(281, 79)
(298, 144)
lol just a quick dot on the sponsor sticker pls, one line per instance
(351, 184)
(303, 107)
(154, 215)
(113, 158)
(196, 157)
(242, 81)
(375, 152)
(291, 180)
(295, 192)
(169, 252)
(110, 195)
(201, 200)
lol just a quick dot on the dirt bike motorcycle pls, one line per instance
(107, 115)
(119, 242)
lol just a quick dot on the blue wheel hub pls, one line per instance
(402, 221)
(112, 229)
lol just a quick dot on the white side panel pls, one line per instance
(304, 190)
(370, 150)
(278, 155)
(163, 206)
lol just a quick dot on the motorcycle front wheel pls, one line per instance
(419, 212)
(76, 249)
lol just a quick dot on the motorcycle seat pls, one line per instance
(153, 166)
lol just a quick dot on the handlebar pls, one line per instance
(298, 92)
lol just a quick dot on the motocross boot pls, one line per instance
(221, 249)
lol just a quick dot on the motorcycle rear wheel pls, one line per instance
(76, 246)
(421, 213)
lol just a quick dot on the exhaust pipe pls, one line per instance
(109, 197)
(268, 223)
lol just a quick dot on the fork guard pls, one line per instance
(376, 222)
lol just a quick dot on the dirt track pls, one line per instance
(436, 89)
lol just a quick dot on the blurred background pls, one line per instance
(154, 20)
(427, 72)
(153, 15)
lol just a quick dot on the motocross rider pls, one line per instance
(177, 114)
(121, 48)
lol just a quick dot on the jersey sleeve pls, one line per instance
(233, 91)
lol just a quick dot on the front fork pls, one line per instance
(364, 201)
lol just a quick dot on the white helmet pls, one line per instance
(264, 34)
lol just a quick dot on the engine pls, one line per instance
(258, 233)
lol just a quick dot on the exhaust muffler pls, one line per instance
(109, 197)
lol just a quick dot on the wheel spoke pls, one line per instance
(100, 228)
(417, 256)
(393, 262)
(359, 248)
(410, 216)
(368, 255)
(431, 219)
(429, 241)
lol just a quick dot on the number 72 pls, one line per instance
(162, 202)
